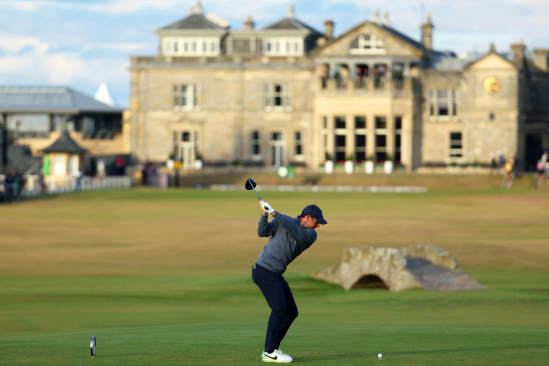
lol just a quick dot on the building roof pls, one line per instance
(49, 99)
(403, 37)
(194, 22)
(442, 62)
(291, 24)
(65, 144)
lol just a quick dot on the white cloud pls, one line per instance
(38, 66)
(15, 44)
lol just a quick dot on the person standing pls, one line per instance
(493, 164)
(289, 237)
(541, 170)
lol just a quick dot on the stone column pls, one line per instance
(370, 135)
(390, 149)
(406, 148)
(350, 143)
(330, 149)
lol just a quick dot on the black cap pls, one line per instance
(316, 212)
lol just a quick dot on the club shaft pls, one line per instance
(257, 194)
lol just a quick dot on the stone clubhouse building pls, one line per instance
(289, 94)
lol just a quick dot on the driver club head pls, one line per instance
(251, 184)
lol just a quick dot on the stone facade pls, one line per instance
(287, 94)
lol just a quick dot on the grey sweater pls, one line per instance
(288, 240)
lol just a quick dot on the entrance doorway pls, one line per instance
(277, 149)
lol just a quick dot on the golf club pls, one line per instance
(92, 346)
(251, 184)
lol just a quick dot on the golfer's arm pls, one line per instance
(266, 229)
(304, 237)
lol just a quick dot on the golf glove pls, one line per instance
(267, 207)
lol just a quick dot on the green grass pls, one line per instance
(163, 278)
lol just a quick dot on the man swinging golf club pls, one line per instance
(289, 237)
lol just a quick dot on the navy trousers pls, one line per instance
(281, 301)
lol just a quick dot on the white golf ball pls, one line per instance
(379, 355)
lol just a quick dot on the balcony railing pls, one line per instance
(379, 84)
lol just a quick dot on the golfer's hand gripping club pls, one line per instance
(266, 207)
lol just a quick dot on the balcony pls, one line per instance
(365, 84)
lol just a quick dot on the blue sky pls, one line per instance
(82, 43)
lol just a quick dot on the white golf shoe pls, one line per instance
(276, 356)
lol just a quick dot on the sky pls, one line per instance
(82, 43)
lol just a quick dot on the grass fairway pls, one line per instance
(163, 278)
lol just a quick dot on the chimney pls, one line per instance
(376, 16)
(518, 52)
(386, 21)
(540, 59)
(198, 8)
(427, 33)
(329, 29)
(191, 10)
(249, 24)
(291, 12)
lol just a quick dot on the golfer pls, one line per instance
(289, 237)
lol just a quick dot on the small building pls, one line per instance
(64, 158)
(38, 117)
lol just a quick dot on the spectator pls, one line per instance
(8, 186)
(78, 181)
(41, 181)
(120, 165)
(509, 175)
(541, 170)
(493, 164)
(501, 161)
(145, 174)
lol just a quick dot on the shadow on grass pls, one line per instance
(369, 355)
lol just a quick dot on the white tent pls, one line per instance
(103, 95)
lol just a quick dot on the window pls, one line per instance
(298, 144)
(443, 102)
(456, 145)
(339, 122)
(360, 123)
(283, 46)
(398, 139)
(360, 139)
(380, 139)
(90, 124)
(340, 141)
(367, 43)
(277, 96)
(256, 143)
(185, 96)
(491, 116)
(175, 46)
(381, 122)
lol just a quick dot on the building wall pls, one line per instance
(501, 133)
(231, 106)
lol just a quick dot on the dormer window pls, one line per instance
(191, 47)
(367, 44)
(284, 46)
